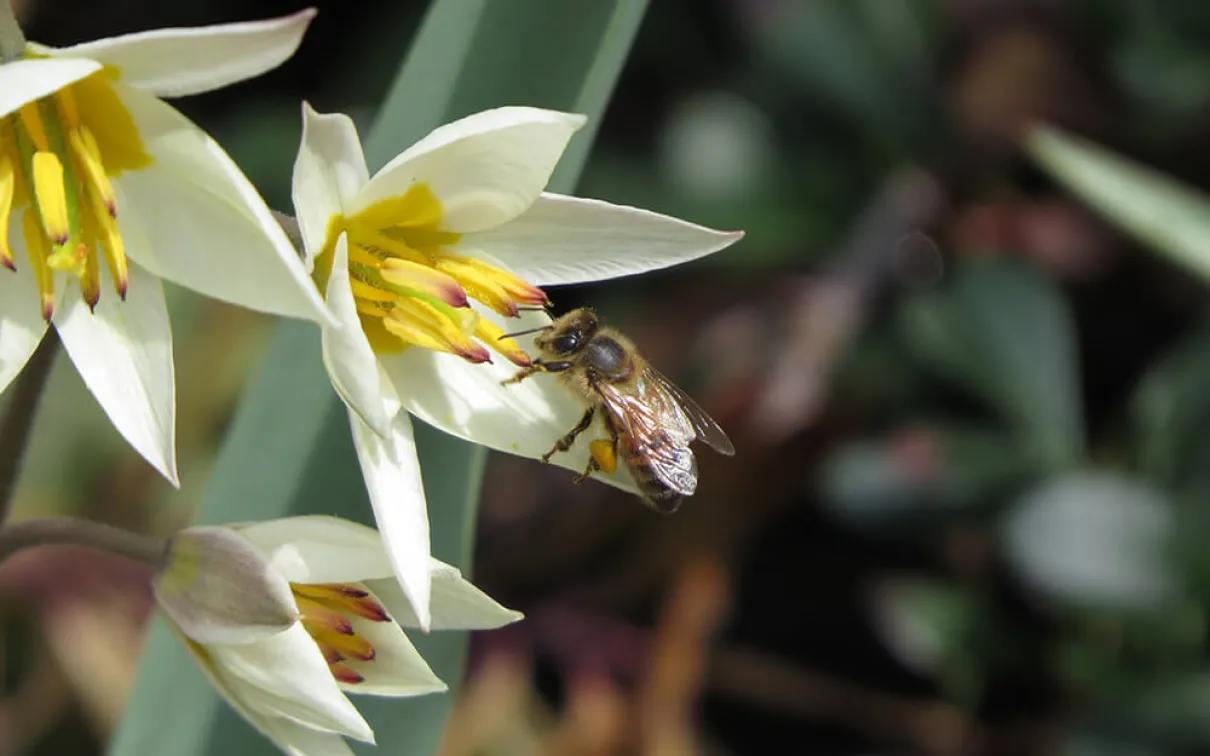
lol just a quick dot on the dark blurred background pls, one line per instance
(968, 507)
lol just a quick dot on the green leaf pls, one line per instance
(1163, 213)
(1094, 540)
(289, 451)
(1171, 408)
(1006, 335)
(920, 477)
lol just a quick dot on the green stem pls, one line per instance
(12, 39)
(47, 531)
(18, 421)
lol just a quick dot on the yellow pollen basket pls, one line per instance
(57, 158)
(329, 612)
(410, 291)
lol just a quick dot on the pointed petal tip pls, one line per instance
(306, 14)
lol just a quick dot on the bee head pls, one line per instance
(568, 334)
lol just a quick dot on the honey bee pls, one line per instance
(650, 421)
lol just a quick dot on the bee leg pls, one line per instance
(593, 466)
(523, 373)
(537, 367)
(565, 443)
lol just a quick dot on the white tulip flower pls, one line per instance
(434, 251)
(105, 189)
(288, 616)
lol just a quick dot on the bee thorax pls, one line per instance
(607, 357)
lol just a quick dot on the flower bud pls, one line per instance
(218, 588)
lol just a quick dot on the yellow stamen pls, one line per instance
(344, 598)
(90, 282)
(496, 288)
(31, 119)
(420, 323)
(326, 611)
(371, 240)
(492, 335)
(51, 194)
(108, 238)
(363, 290)
(425, 279)
(346, 675)
(88, 155)
(349, 646)
(8, 185)
(68, 108)
(374, 309)
(39, 249)
(361, 256)
(319, 619)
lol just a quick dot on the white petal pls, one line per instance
(392, 475)
(352, 366)
(204, 225)
(397, 669)
(177, 62)
(286, 676)
(468, 401)
(24, 81)
(320, 549)
(21, 323)
(123, 352)
(486, 169)
(567, 240)
(291, 737)
(297, 740)
(329, 172)
(219, 588)
(456, 603)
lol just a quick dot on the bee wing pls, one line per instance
(651, 421)
(704, 427)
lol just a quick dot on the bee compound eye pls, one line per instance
(566, 344)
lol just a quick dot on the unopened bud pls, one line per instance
(219, 589)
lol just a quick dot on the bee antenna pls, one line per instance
(515, 334)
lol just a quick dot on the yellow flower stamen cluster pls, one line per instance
(327, 612)
(52, 166)
(410, 290)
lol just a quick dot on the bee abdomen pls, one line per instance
(655, 493)
(661, 498)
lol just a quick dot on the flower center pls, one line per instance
(330, 613)
(57, 155)
(411, 291)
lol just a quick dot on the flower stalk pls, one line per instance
(72, 531)
(12, 39)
